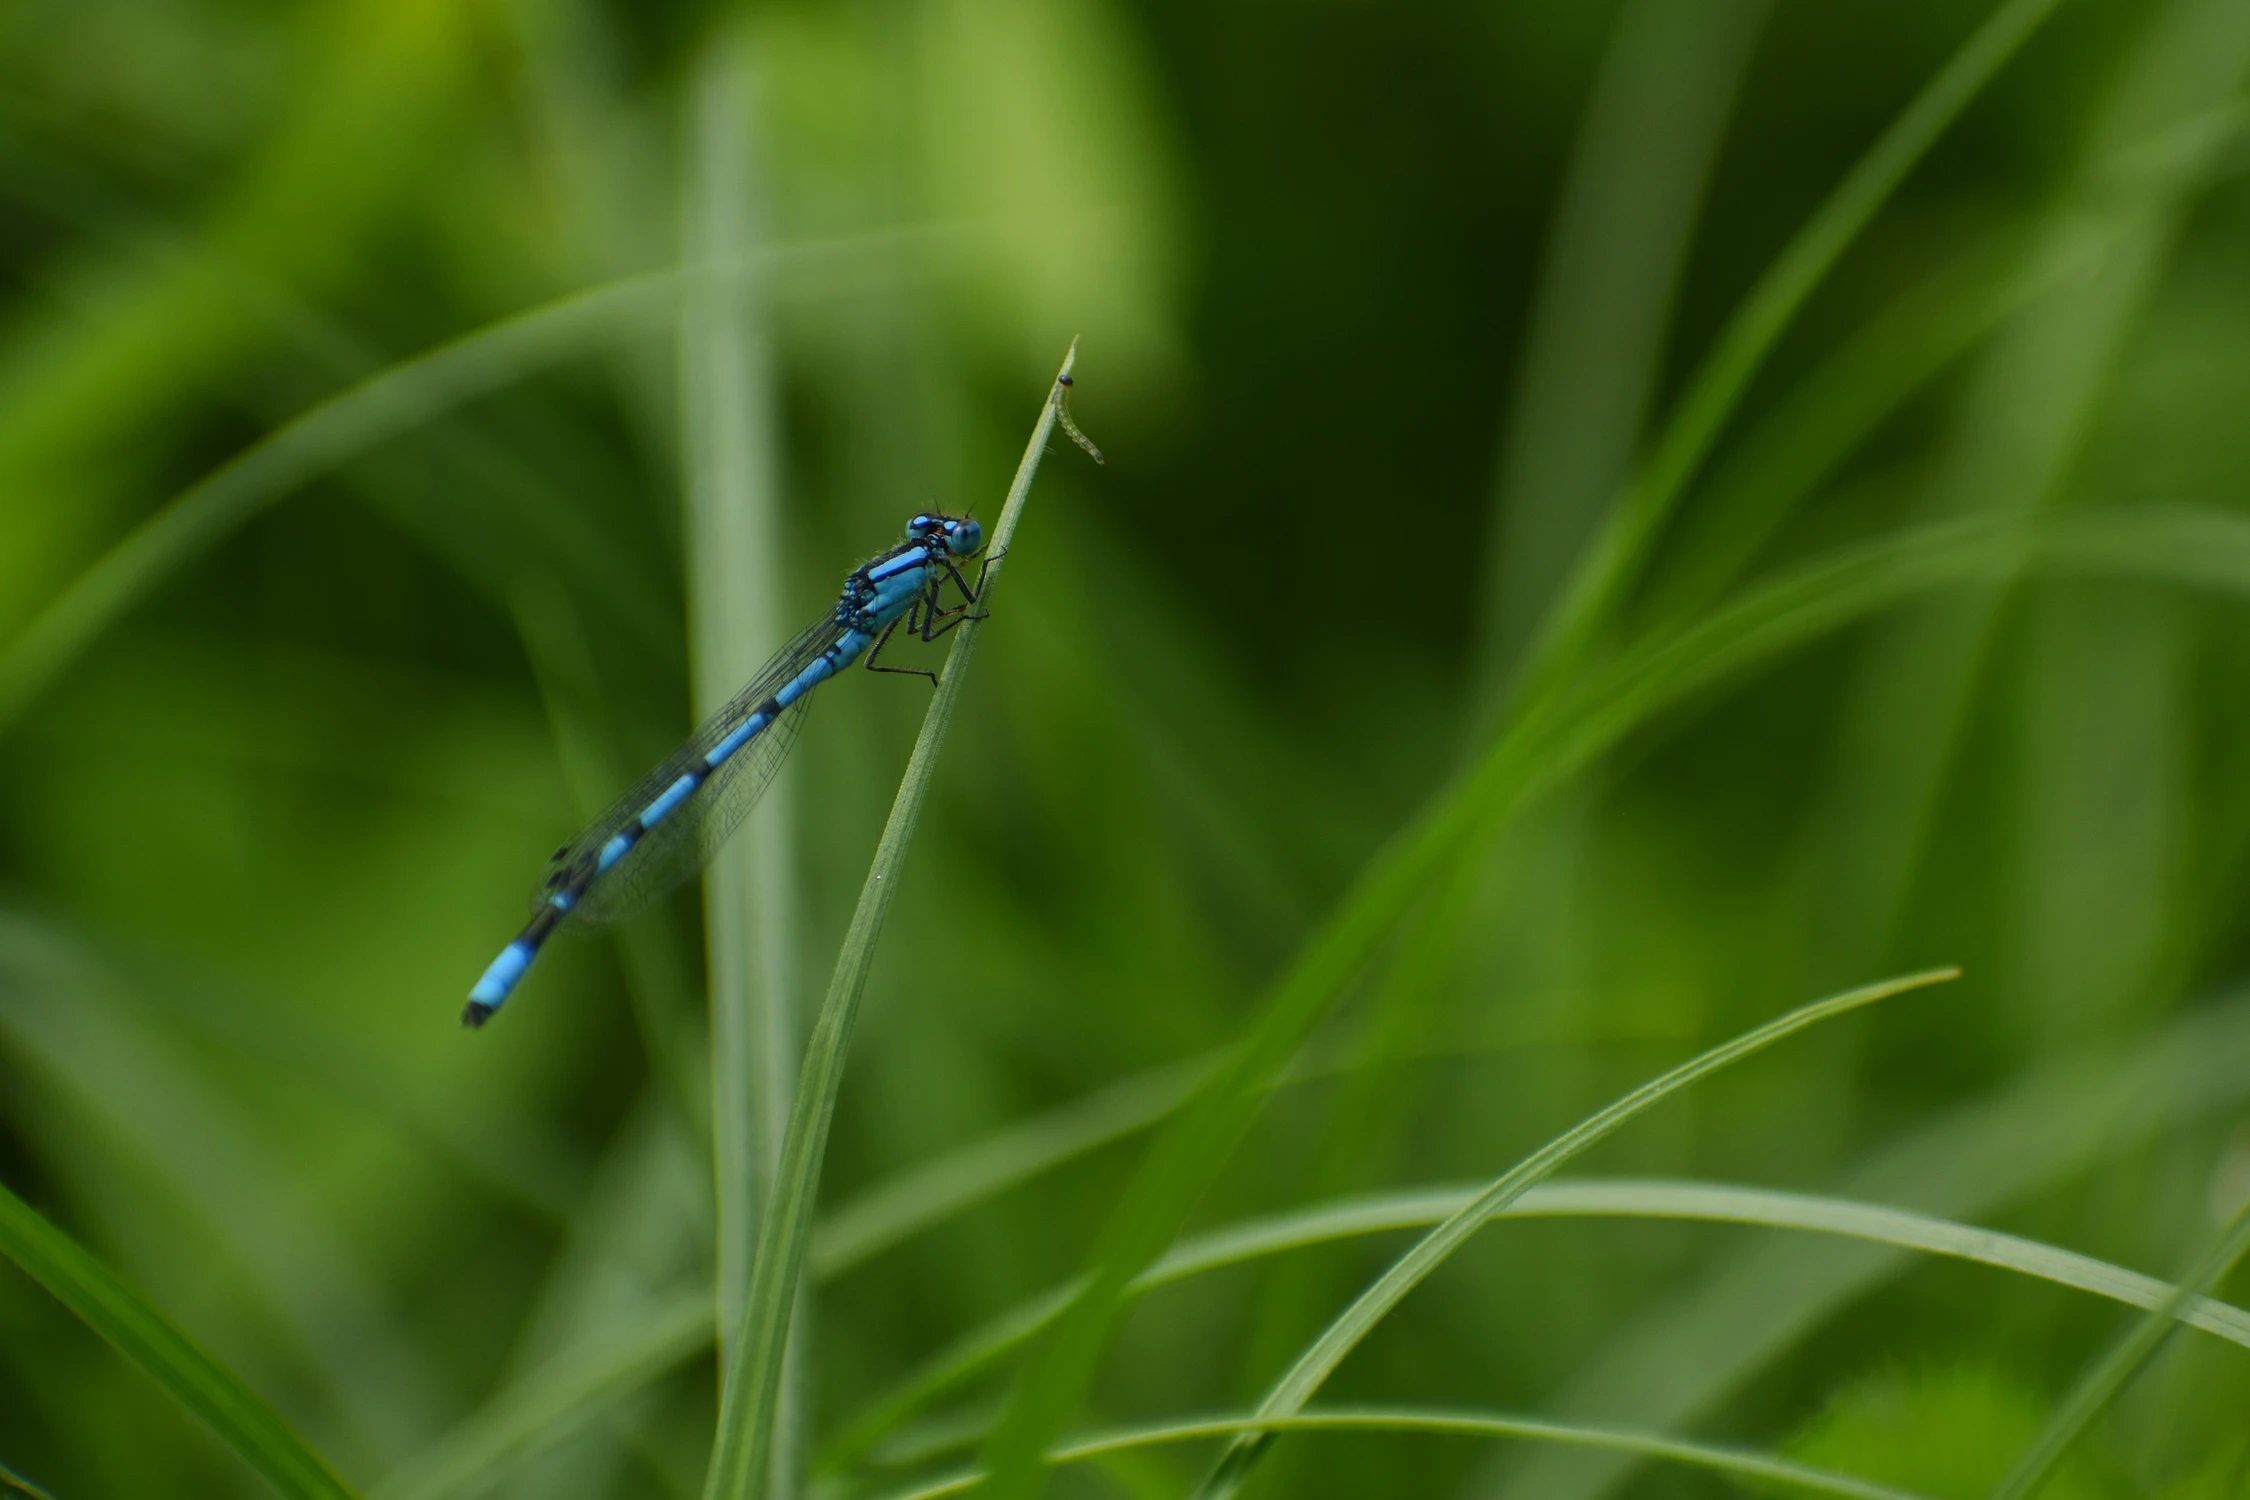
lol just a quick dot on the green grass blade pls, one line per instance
(1879, 1224)
(1457, 824)
(2177, 545)
(549, 1404)
(1828, 414)
(2183, 546)
(383, 406)
(866, 1226)
(14, 1483)
(919, 1197)
(1312, 1369)
(1609, 568)
(1184, 1159)
(142, 1099)
(145, 1336)
(1622, 229)
(1277, 1234)
(575, 1387)
(1820, 598)
(580, 719)
(952, 1367)
(729, 463)
(741, 1451)
(2100, 1384)
(2023, 442)
(1731, 1461)
(1683, 1358)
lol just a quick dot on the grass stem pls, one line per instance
(741, 1454)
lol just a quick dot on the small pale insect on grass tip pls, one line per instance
(1063, 384)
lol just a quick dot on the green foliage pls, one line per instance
(1619, 518)
(144, 1336)
(1949, 1430)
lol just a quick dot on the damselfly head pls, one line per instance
(964, 535)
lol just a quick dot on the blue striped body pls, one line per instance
(649, 838)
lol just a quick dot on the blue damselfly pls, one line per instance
(663, 830)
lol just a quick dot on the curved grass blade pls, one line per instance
(662, 994)
(1682, 1358)
(1879, 1224)
(2198, 548)
(14, 1483)
(2022, 442)
(137, 1088)
(145, 1336)
(2201, 548)
(1149, 1213)
(2101, 1383)
(1297, 1384)
(2190, 547)
(1609, 567)
(572, 1388)
(1731, 1461)
(549, 1404)
(732, 518)
(383, 406)
(914, 1200)
(1639, 166)
(741, 1451)
(1816, 425)
(1381, 1213)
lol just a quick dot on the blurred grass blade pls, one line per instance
(2175, 545)
(1280, 1233)
(2023, 441)
(735, 542)
(1183, 1161)
(741, 1451)
(14, 1483)
(1639, 166)
(950, 1368)
(2185, 546)
(883, 1216)
(1658, 1198)
(143, 1335)
(580, 717)
(1730, 1461)
(379, 408)
(1297, 1385)
(574, 1387)
(1598, 585)
(1823, 418)
(548, 1405)
(383, 406)
(2101, 1383)
(1883, 1225)
(1682, 1359)
(140, 1097)
(1814, 426)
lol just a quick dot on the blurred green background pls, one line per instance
(1379, 304)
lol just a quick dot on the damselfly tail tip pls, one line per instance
(490, 991)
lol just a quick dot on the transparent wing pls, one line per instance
(667, 855)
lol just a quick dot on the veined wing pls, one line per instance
(665, 854)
